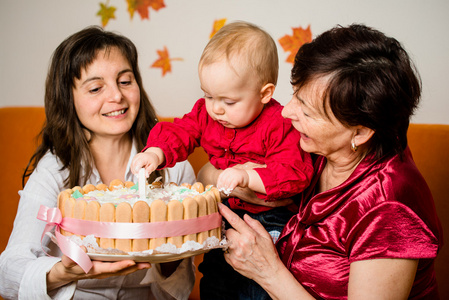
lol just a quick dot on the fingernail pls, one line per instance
(131, 264)
(144, 266)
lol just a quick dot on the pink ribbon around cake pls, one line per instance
(54, 218)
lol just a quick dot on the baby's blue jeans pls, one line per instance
(220, 280)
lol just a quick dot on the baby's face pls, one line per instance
(233, 96)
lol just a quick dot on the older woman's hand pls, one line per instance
(252, 253)
(251, 250)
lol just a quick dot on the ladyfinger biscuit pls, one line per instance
(123, 214)
(101, 187)
(175, 212)
(156, 185)
(202, 211)
(158, 212)
(190, 212)
(212, 195)
(78, 188)
(141, 214)
(61, 198)
(216, 193)
(187, 185)
(69, 208)
(69, 205)
(116, 184)
(79, 211)
(88, 188)
(198, 186)
(129, 184)
(211, 209)
(107, 214)
(93, 213)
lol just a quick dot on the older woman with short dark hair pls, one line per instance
(366, 226)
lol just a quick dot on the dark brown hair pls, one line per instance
(62, 133)
(372, 82)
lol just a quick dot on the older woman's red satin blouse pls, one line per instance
(383, 210)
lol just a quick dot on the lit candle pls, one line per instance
(142, 183)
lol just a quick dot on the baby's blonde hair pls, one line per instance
(253, 46)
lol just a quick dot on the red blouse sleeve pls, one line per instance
(391, 230)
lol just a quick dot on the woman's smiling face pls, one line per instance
(320, 133)
(107, 96)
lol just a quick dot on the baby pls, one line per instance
(237, 123)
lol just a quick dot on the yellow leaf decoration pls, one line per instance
(106, 13)
(217, 25)
(143, 7)
(164, 61)
(294, 42)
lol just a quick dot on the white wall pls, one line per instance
(31, 30)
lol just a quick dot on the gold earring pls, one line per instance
(353, 146)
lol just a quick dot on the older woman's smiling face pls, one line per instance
(320, 133)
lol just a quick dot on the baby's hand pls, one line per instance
(232, 177)
(148, 160)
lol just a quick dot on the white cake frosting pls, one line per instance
(131, 195)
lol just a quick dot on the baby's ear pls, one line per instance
(266, 92)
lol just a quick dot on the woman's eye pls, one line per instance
(94, 90)
(125, 79)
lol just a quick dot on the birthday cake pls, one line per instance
(170, 207)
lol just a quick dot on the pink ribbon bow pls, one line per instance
(53, 218)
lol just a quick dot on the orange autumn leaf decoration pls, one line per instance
(106, 13)
(294, 42)
(143, 7)
(164, 61)
(217, 25)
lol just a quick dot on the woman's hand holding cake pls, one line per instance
(67, 271)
